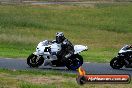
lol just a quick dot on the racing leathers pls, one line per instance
(67, 50)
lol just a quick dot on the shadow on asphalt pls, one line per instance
(59, 69)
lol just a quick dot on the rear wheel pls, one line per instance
(74, 62)
(35, 61)
(116, 63)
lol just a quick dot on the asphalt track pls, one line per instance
(70, 2)
(90, 68)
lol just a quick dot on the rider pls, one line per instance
(129, 53)
(129, 47)
(67, 49)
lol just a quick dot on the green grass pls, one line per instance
(80, 0)
(74, 85)
(103, 28)
(66, 0)
(34, 79)
(38, 72)
(25, 79)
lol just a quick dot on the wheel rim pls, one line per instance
(34, 60)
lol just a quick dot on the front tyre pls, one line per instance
(74, 62)
(35, 61)
(116, 63)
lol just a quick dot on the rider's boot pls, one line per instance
(47, 63)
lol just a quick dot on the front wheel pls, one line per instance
(74, 62)
(116, 63)
(35, 61)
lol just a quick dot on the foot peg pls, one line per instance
(47, 62)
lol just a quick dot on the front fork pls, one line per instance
(38, 56)
(36, 53)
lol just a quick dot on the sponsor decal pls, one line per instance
(101, 78)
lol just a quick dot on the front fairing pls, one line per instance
(42, 48)
(124, 49)
(55, 47)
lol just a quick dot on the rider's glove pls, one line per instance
(130, 46)
(68, 55)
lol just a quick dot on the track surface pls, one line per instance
(71, 2)
(90, 68)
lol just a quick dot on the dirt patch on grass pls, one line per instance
(7, 81)
(45, 79)
(69, 0)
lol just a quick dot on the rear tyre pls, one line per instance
(35, 61)
(116, 63)
(74, 62)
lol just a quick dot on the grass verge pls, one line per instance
(29, 79)
(104, 28)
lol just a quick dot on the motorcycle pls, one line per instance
(46, 53)
(124, 58)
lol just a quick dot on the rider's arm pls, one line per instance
(53, 41)
(129, 47)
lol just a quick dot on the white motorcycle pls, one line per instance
(46, 53)
(124, 58)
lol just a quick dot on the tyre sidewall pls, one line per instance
(121, 63)
(41, 61)
(73, 58)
